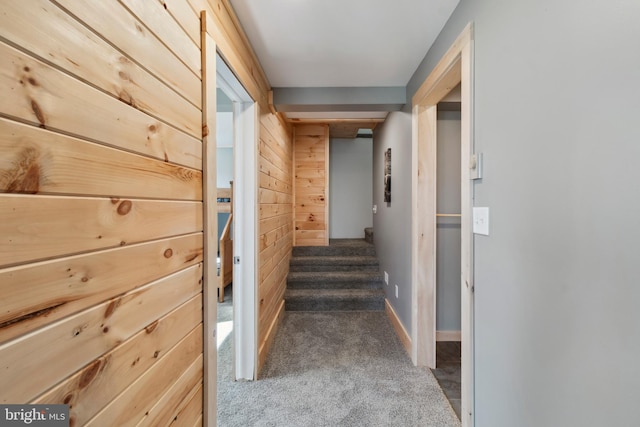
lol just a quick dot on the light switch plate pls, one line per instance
(475, 164)
(481, 221)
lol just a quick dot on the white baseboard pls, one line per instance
(448, 336)
(398, 326)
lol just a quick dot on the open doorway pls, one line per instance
(448, 238)
(455, 68)
(236, 118)
(350, 186)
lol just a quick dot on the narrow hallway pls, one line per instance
(335, 369)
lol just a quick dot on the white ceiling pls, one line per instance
(341, 43)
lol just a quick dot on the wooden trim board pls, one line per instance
(210, 282)
(454, 68)
(271, 334)
(402, 333)
(448, 335)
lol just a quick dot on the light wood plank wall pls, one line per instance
(275, 182)
(101, 218)
(311, 157)
(101, 226)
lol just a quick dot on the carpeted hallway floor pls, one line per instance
(333, 369)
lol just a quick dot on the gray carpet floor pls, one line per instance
(333, 369)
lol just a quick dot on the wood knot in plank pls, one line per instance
(126, 97)
(90, 373)
(152, 327)
(111, 308)
(38, 112)
(26, 174)
(124, 207)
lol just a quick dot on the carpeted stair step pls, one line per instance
(334, 299)
(344, 276)
(334, 263)
(334, 280)
(337, 247)
(368, 234)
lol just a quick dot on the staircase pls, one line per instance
(343, 276)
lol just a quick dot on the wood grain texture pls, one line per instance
(128, 34)
(426, 238)
(210, 279)
(34, 228)
(311, 168)
(182, 12)
(91, 333)
(275, 163)
(130, 407)
(176, 398)
(67, 285)
(50, 33)
(101, 220)
(44, 96)
(94, 386)
(191, 414)
(159, 22)
(35, 160)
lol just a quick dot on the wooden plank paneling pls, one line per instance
(117, 25)
(311, 154)
(177, 397)
(60, 226)
(34, 160)
(156, 18)
(91, 333)
(67, 285)
(189, 410)
(182, 12)
(129, 408)
(37, 29)
(93, 387)
(275, 225)
(101, 223)
(211, 281)
(44, 96)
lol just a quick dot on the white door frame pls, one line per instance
(245, 225)
(455, 67)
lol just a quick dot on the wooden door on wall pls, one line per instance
(311, 185)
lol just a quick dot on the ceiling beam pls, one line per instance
(323, 99)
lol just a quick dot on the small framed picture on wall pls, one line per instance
(387, 175)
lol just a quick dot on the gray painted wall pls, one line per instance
(350, 175)
(557, 97)
(224, 171)
(392, 223)
(224, 167)
(448, 229)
